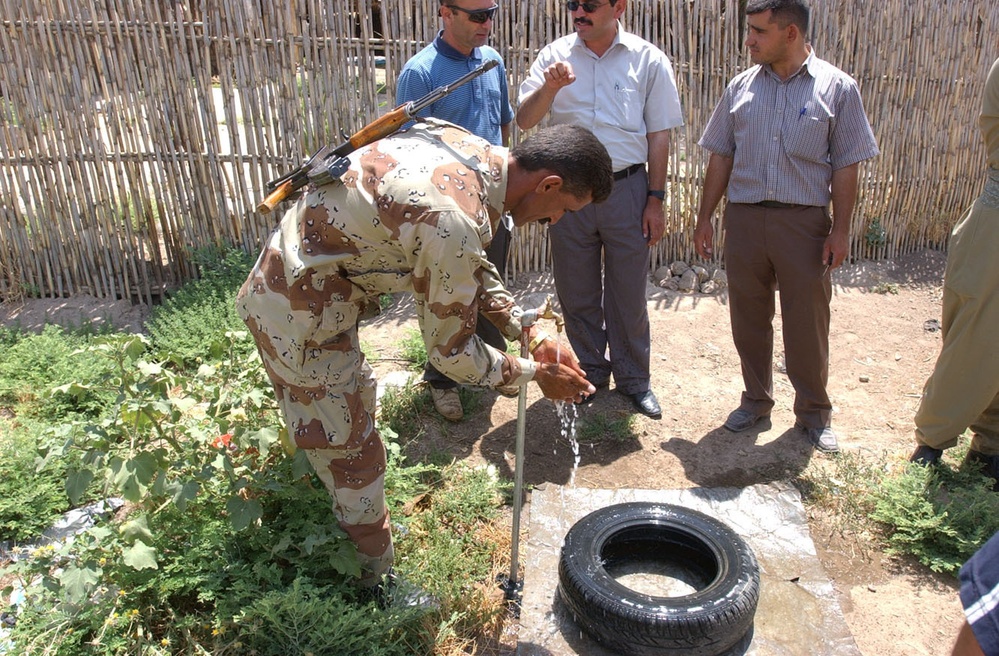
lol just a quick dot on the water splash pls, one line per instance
(567, 415)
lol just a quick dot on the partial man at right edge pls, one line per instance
(963, 390)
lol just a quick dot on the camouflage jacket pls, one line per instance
(414, 212)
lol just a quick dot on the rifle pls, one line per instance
(328, 164)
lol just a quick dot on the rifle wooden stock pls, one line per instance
(380, 128)
(268, 204)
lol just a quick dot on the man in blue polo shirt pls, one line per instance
(482, 107)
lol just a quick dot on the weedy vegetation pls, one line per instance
(226, 543)
(938, 515)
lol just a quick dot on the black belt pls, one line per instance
(776, 204)
(631, 170)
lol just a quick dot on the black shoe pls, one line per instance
(987, 465)
(646, 403)
(926, 455)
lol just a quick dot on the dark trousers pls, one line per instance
(497, 253)
(766, 248)
(601, 264)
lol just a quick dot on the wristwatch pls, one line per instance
(658, 193)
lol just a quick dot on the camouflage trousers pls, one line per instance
(326, 390)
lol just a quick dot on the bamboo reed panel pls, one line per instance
(135, 131)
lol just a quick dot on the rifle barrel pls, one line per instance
(414, 106)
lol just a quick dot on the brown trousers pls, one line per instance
(766, 248)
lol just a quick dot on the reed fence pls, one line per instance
(135, 131)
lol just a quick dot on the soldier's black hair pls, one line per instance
(573, 154)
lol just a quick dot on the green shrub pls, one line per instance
(190, 326)
(938, 515)
(413, 349)
(228, 545)
(32, 365)
(599, 427)
(941, 516)
(219, 519)
(406, 410)
(451, 546)
(30, 501)
(306, 618)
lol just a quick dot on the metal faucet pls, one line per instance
(543, 311)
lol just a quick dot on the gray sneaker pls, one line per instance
(824, 439)
(741, 420)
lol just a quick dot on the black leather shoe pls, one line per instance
(926, 455)
(646, 403)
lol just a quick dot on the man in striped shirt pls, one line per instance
(786, 138)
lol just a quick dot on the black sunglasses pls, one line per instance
(476, 15)
(588, 7)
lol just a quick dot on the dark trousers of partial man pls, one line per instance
(497, 253)
(605, 306)
(767, 248)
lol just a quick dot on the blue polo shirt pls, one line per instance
(481, 106)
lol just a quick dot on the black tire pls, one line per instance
(707, 622)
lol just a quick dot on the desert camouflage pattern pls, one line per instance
(413, 213)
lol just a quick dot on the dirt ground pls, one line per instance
(883, 346)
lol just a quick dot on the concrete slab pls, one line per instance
(798, 612)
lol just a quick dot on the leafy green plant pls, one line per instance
(452, 546)
(220, 517)
(413, 349)
(402, 409)
(30, 500)
(406, 410)
(876, 235)
(885, 288)
(190, 326)
(940, 516)
(306, 618)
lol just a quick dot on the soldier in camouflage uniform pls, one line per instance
(414, 213)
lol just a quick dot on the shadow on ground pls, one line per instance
(724, 459)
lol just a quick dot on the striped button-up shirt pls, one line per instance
(786, 137)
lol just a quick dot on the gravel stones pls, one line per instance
(689, 279)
